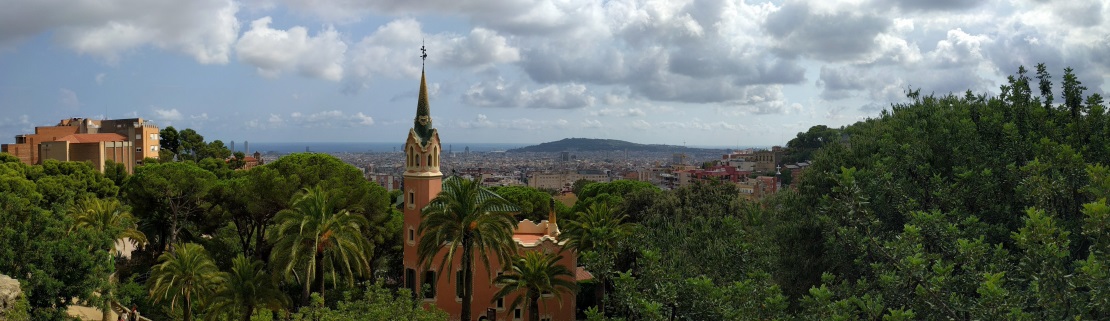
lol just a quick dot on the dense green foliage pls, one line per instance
(314, 238)
(40, 243)
(950, 207)
(59, 221)
(243, 289)
(801, 148)
(372, 303)
(184, 277)
(534, 204)
(531, 275)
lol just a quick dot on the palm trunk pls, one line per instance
(188, 310)
(173, 230)
(318, 279)
(533, 307)
(306, 295)
(247, 312)
(468, 280)
(599, 293)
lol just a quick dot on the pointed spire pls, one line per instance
(422, 124)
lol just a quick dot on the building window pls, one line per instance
(412, 235)
(516, 314)
(138, 136)
(500, 303)
(429, 285)
(412, 198)
(410, 280)
(138, 149)
(154, 148)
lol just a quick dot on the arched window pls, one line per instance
(429, 160)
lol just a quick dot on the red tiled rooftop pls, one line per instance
(580, 274)
(93, 138)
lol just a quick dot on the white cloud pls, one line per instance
(68, 99)
(100, 78)
(619, 112)
(698, 124)
(21, 124)
(202, 29)
(326, 119)
(501, 94)
(481, 48)
(959, 49)
(390, 52)
(167, 115)
(640, 124)
(482, 121)
(274, 51)
(275, 121)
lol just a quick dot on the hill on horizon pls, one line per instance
(597, 144)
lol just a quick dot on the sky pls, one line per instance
(699, 73)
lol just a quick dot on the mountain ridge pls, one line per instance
(601, 144)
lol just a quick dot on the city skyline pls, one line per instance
(705, 73)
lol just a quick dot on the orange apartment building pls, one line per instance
(422, 182)
(126, 141)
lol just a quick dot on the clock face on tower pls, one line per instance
(424, 120)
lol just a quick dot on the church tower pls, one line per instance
(422, 181)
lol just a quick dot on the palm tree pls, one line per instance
(247, 286)
(464, 217)
(535, 274)
(107, 215)
(313, 237)
(595, 234)
(183, 275)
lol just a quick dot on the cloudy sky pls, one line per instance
(709, 73)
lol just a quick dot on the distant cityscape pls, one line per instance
(757, 171)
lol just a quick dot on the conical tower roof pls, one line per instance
(422, 124)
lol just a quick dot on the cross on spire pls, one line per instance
(423, 53)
